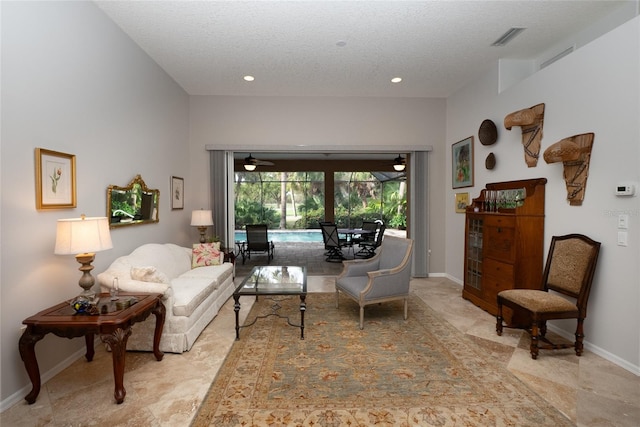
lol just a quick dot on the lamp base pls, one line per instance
(202, 230)
(87, 301)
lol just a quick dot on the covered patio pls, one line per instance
(328, 191)
(309, 254)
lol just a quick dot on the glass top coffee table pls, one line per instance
(272, 280)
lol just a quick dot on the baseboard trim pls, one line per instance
(597, 350)
(44, 377)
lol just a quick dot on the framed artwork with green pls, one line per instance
(462, 163)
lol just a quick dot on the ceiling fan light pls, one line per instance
(399, 164)
(250, 163)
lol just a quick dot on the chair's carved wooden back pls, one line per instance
(570, 267)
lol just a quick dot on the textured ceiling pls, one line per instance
(292, 47)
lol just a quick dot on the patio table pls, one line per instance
(350, 232)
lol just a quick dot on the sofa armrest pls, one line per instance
(126, 284)
(131, 285)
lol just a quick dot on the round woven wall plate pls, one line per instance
(488, 133)
(490, 162)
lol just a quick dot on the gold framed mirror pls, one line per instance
(134, 204)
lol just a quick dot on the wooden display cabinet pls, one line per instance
(504, 239)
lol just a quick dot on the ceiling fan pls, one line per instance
(250, 163)
(399, 163)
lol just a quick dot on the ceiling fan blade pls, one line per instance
(263, 162)
(252, 161)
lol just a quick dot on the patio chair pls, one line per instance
(320, 224)
(332, 243)
(257, 242)
(385, 277)
(368, 247)
(368, 237)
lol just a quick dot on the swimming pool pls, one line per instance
(286, 235)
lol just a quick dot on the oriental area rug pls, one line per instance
(418, 372)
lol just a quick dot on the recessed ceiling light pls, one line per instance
(341, 43)
(249, 78)
(396, 80)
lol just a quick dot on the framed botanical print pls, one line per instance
(177, 192)
(462, 163)
(55, 180)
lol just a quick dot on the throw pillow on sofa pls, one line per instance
(148, 274)
(205, 254)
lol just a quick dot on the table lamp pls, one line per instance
(83, 237)
(201, 219)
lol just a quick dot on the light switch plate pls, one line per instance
(622, 238)
(623, 221)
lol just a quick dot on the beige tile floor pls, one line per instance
(589, 390)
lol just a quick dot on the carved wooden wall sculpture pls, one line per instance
(574, 153)
(531, 121)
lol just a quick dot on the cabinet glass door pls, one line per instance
(474, 254)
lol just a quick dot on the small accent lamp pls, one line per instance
(399, 164)
(201, 219)
(83, 237)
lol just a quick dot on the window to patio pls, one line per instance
(296, 200)
(283, 200)
(227, 161)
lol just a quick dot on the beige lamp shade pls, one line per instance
(82, 235)
(201, 218)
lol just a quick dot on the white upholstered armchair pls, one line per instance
(385, 277)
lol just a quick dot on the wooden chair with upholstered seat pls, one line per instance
(569, 271)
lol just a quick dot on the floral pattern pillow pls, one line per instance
(205, 254)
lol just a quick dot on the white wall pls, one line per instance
(73, 82)
(330, 122)
(595, 89)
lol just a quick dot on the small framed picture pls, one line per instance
(462, 163)
(55, 180)
(462, 201)
(177, 193)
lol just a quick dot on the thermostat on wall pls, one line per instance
(625, 189)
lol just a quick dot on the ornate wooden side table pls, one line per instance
(112, 324)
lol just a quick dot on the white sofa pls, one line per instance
(192, 296)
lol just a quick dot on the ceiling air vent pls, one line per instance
(561, 55)
(508, 36)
